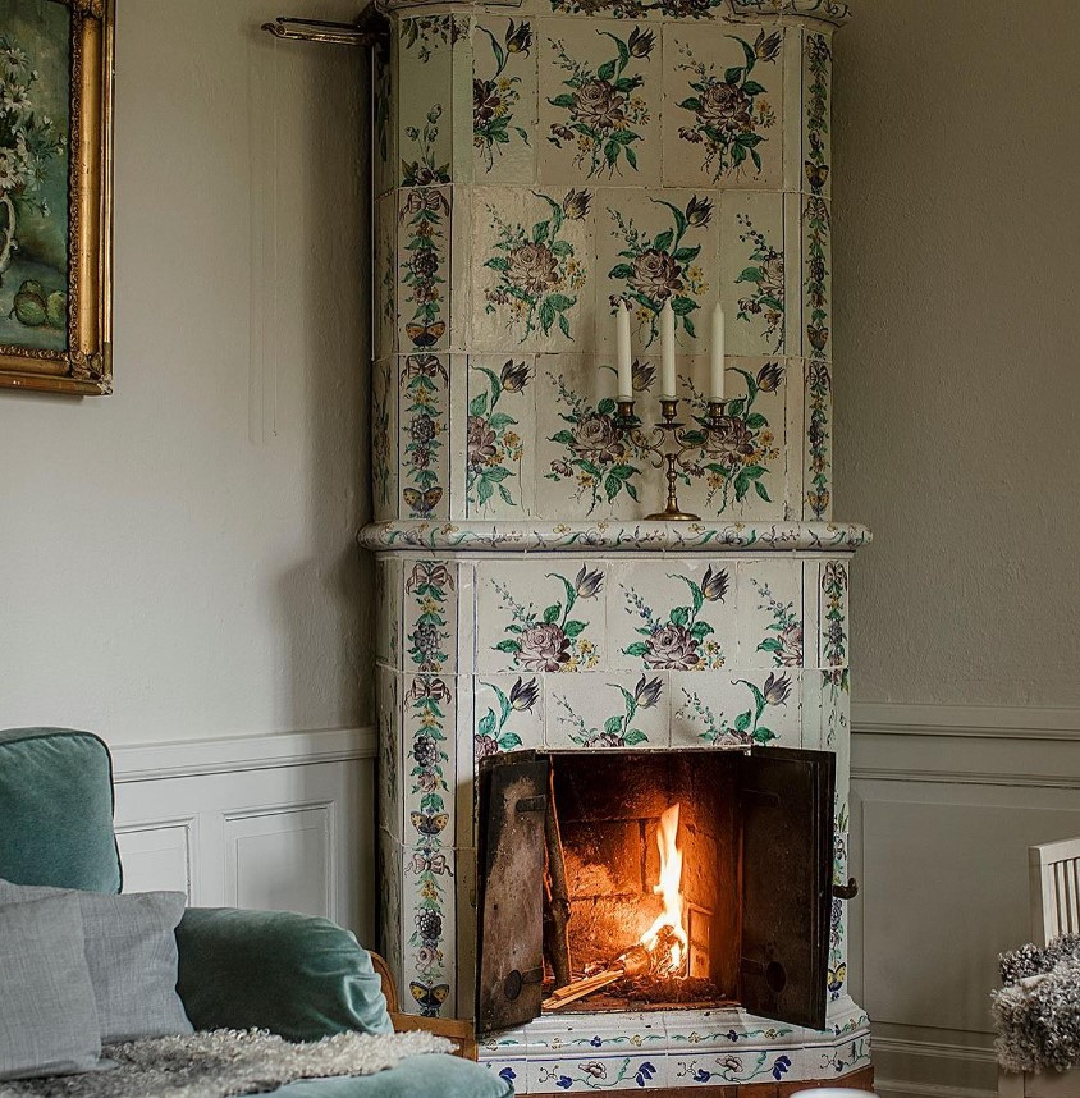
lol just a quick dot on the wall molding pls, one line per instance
(963, 721)
(270, 751)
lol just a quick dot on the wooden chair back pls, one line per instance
(1055, 890)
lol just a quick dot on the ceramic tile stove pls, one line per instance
(536, 163)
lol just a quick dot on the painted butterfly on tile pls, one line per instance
(423, 501)
(425, 335)
(430, 824)
(837, 976)
(430, 997)
(816, 174)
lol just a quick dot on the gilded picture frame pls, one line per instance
(56, 97)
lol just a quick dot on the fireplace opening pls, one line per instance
(648, 880)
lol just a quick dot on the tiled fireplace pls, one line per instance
(535, 164)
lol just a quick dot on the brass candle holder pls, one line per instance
(671, 441)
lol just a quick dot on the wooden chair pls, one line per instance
(1055, 910)
(1055, 890)
(460, 1032)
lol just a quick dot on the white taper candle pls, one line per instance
(667, 352)
(622, 331)
(716, 364)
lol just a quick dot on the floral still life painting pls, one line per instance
(55, 88)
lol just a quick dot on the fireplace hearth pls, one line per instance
(695, 879)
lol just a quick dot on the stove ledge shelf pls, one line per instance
(693, 1049)
(614, 536)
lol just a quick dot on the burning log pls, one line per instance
(636, 961)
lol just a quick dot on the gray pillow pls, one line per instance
(130, 947)
(48, 1015)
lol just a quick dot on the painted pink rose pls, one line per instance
(672, 646)
(595, 437)
(534, 268)
(544, 647)
(726, 106)
(656, 275)
(597, 104)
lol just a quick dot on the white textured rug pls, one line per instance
(226, 1063)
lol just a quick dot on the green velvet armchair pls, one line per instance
(298, 976)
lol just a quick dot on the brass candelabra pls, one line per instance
(671, 441)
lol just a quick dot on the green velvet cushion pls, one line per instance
(56, 810)
(297, 976)
(431, 1076)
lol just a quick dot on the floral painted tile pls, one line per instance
(390, 880)
(425, 67)
(529, 621)
(724, 92)
(586, 466)
(430, 919)
(834, 614)
(795, 439)
(532, 257)
(757, 1065)
(817, 476)
(741, 471)
(385, 276)
(598, 1073)
(384, 120)
(430, 617)
(817, 277)
(753, 287)
(702, 10)
(512, 1072)
(736, 708)
(384, 439)
(652, 248)
(504, 101)
(673, 616)
(424, 418)
(423, 299)
(428, 766)
(607, 709)
(388, 607)
(770, 598)
(817, 81)
(600, 96)
(508, 714)
(388, 730)
(500, 455)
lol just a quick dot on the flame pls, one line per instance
(671, 861)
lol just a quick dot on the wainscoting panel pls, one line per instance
(945, 803)
(269, 822)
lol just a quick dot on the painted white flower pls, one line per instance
(10, 176)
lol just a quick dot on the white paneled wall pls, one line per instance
(273, 822)
(945, 802)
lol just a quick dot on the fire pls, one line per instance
(671, 860)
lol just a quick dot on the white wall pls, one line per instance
(957, 256)
(177, 560)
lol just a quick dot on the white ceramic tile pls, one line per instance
(607, 709)
(671, 615)
(833, 622)
(531, 620)
(428, 776)
(430, 617)
(736, 707)
(508, 714)
(771, 632)
(498, 442)
(429, 927)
